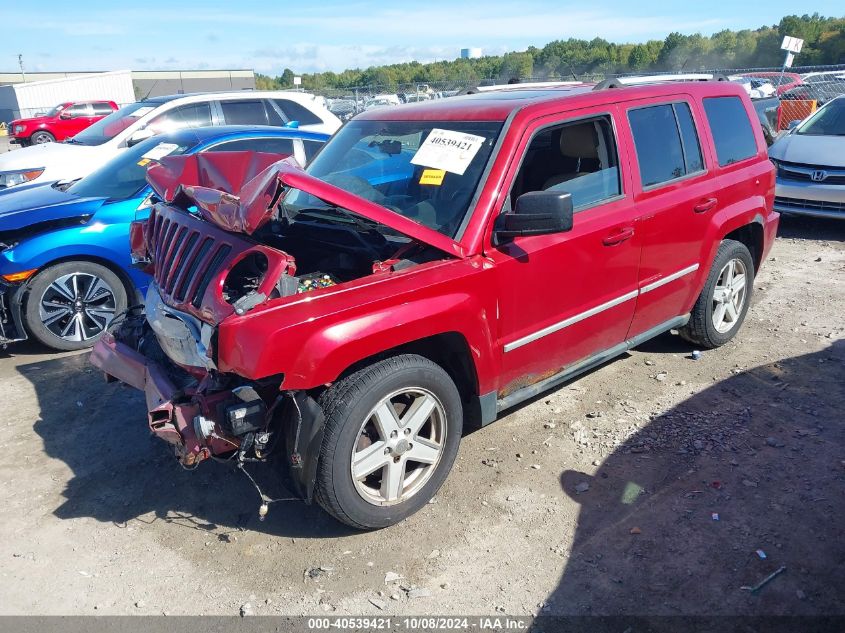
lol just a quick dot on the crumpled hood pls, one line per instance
(826, 151)
(50, 155)
(32, 205)
(230, 195)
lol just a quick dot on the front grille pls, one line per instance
(799, 204)
(804, 173)
(186, 254)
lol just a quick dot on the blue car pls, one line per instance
(65, 268)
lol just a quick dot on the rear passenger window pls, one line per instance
(101, 109)
(282, 146)
(297, 112)
(731, 129)
(244, 112)
(666, 142)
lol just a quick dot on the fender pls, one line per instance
(312, 342)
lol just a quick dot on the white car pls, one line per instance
(756, 87)
(80, 155)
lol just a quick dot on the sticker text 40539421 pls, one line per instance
(448, 150)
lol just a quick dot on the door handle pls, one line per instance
(705, 205)
(619, 236)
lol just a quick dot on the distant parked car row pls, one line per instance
(87, 150)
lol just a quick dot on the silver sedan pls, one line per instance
(810, 163)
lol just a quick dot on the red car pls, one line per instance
(781, 81)
(436, 264)
(60, 123)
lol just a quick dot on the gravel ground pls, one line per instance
(656, 484)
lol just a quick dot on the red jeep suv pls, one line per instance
(60, 123)
(435, 265)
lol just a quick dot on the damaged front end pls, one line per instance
(214, 254)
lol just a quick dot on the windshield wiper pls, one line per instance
(365, 224)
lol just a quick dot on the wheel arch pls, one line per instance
(752, 236)
(449, 350)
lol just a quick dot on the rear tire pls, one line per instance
(391, 436)
(723, 303)
(70, 304)
(39, 138)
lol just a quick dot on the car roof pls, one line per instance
(237, 94)
(205, 134)
(501, 104)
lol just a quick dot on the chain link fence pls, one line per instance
(817, 84)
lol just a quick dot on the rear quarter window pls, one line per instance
(297, 112)
(732, 133)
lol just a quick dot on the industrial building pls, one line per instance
(145, 83)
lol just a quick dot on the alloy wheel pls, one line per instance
(77, 307)
(729, 296)
(398, 446)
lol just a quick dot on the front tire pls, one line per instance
(70, 304)
(391, 436)
(39, 138)
(723, 303)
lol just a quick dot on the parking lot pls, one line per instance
(657, 484)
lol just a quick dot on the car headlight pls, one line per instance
(19, 129)
(18, 177)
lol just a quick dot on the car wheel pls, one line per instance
(40, 138)
(391, 436)
(69, 305)
(721, 308)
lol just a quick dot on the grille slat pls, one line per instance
(177, 240)
(170, 276)
(203, 263)
(815, 205)
(196, 256)
(167, 243)
(221, 254)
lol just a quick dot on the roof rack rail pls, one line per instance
(623, 82)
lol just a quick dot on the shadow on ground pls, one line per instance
(120, 472)
(765, 451)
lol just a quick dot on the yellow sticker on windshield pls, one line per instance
(432, 177)
(144, 162)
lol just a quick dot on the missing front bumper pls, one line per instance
(171, 410)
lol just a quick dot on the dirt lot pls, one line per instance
(98, 518)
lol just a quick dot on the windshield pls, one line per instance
(828, 121)
(107, 128)
(125, 175)
(427, 171)
(55, 111)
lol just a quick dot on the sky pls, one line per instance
(332, 35)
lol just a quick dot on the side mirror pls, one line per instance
(793, 124)
(66, 115)
(537, 213)
(140, 135)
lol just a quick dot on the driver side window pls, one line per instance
(191, 115)
(578, 157)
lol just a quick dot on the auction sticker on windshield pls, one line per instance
(448, 150)
(161, 150)
(141, 112)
